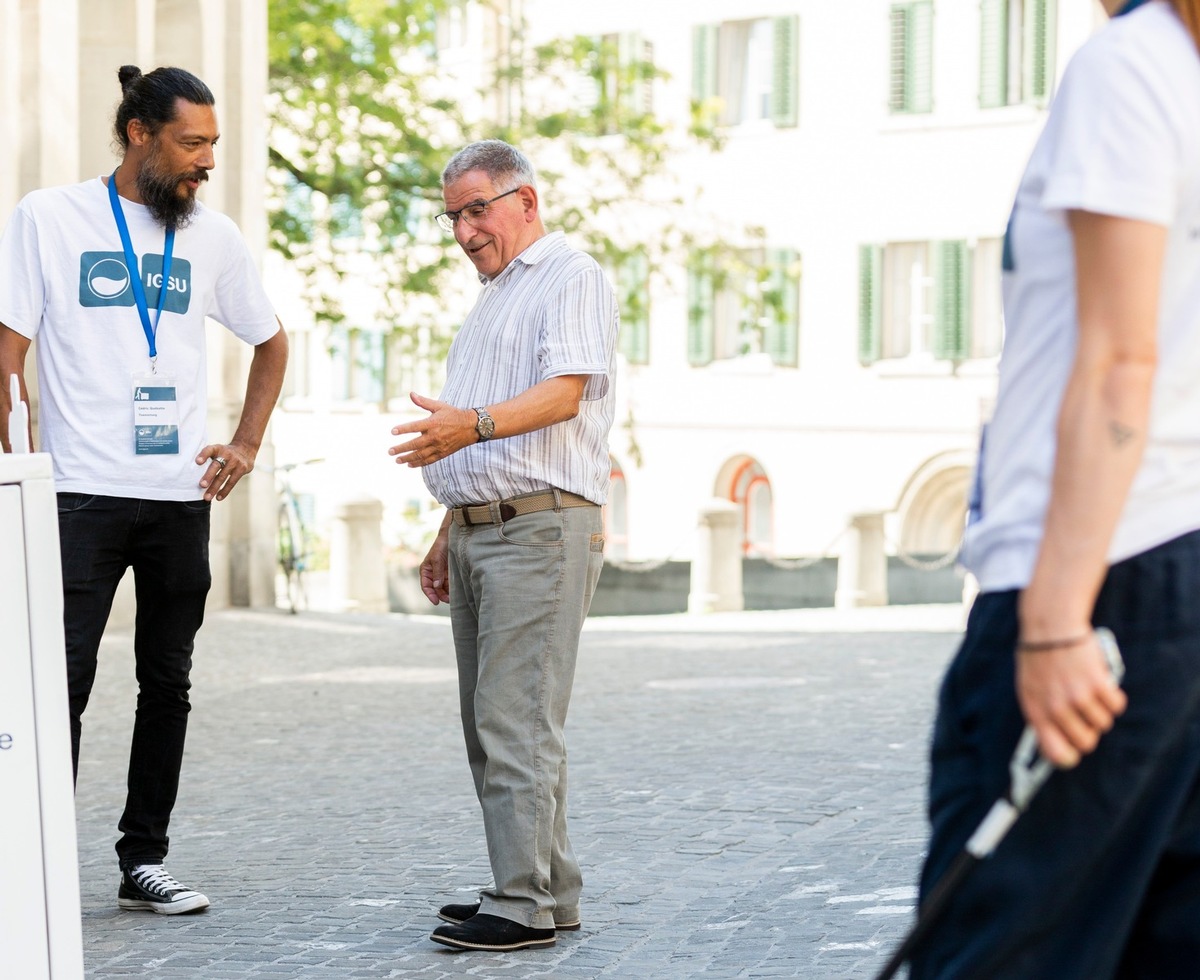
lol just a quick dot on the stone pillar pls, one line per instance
(716, 584)
(862, 565)
(357, 577)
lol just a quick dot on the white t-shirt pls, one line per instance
(550, 313)
(1123, 139)
(63, 280)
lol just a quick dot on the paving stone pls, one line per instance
(747, 800)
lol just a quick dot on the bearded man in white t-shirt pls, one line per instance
(115, 277)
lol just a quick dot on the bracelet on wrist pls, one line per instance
(1041, 646)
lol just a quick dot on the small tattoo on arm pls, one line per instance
(1121, 434)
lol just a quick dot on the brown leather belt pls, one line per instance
(499, 511)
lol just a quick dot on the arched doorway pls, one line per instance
(933, 505)
(744, 481)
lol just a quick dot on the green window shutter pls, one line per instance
(870, 302)
(371, 365)
(898, 65)
(701, 320)
(704, 61)
(993, 53)
(952, 287)
(782, 334)
(633, 88)
(911, 73)
(1037, 55)
(785, 83)
(633, 287)
(919, 74)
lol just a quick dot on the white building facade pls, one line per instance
(877, 145)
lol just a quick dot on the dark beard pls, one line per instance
(159, 190)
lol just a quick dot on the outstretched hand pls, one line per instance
(440, 434)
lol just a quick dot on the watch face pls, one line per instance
(485, 427)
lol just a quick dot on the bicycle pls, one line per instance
(293, 540)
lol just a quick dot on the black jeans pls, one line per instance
(1101, 876)
(166, 544)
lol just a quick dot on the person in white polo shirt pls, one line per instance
(516, 448)
(115, 278)
(1087, 513)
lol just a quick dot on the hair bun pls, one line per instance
(127, 75)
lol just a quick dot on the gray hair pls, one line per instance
(501, 162)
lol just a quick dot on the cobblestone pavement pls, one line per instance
(746, 799)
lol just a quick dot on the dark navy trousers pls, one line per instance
(166, 544)
(1101, 876)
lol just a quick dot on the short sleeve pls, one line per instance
(239, 300)
(1115, 145)
(580, 332)
(22, 289)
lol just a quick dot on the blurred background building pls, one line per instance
(822, 342)
(802, 204)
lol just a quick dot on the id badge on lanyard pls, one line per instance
(155, 405)
(155, 416)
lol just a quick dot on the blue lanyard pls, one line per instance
(139, 292)
(1131, 5)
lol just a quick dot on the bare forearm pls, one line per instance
(546, 403)
(262, 390)
(450, 427)
(1103, 421)
(1101, 437)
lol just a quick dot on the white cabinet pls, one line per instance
(40, 934)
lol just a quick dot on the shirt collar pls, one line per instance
(533, 254)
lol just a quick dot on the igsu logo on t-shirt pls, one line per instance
(104, 280)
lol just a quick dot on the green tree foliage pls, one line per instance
(364, 117)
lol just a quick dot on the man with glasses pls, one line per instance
(516, 449)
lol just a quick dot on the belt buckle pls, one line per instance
(506, 511)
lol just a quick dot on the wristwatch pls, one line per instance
(485, 428)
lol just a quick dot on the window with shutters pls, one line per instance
(748, 70)
(451, 27)
(987, 306)
(617, 85)
(742, 303)
(357, 362)
(936, 300)
(910, 76)
(1016, 51)
(632, 279)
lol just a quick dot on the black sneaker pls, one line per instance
(149, 887)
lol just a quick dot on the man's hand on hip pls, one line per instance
(227, 464)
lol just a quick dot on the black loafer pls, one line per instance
(492, 933)
(460, 913)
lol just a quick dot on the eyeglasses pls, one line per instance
(474, 212)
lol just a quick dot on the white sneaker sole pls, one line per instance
(195, 903)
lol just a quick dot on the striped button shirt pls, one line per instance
(551, 312)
